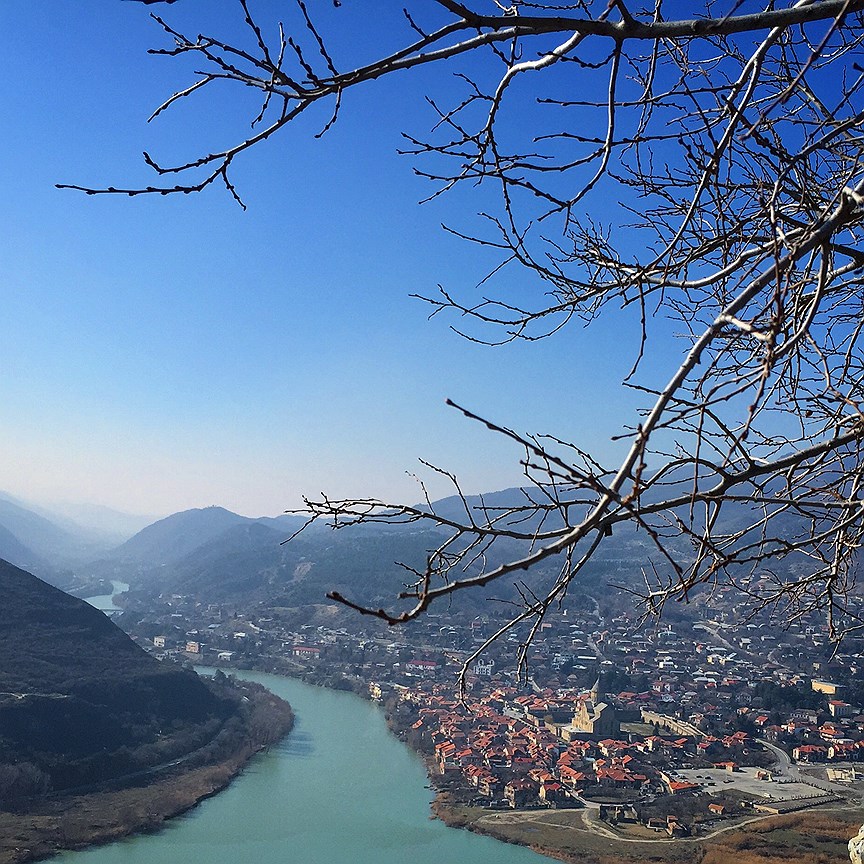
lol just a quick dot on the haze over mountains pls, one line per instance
(222, 556)
(219, 556)
(52, 544)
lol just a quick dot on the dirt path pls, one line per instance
(592, 823)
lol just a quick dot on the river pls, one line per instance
(105, 602)
(340, 789)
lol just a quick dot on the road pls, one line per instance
(590, 819)
(785, 767)
(713, 628)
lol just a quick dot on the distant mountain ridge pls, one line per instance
(175, 536)
(34, 531)
(220, 556)
(104, 524)
(171, 539)
(12, 549)
(49, 544)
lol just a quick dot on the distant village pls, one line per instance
(665, 730)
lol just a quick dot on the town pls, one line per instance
(665, 729)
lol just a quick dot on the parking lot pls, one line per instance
(717, 780)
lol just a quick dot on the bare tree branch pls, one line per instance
(727, 153)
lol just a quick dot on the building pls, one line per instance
(838, 708)
(306, 652)
(829, 688)
(484, 667)
(593, 717)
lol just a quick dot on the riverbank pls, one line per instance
(578, 836)
(572, 836)
(143, 803)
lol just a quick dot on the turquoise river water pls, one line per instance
(105, 602)
(339, 790)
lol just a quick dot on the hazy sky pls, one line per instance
(165, 353)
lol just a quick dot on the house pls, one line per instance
(809, 753)
(425, 668)
(445, 752)
(484, 668)
(573, 778)
(839, 708)
(679, 787)
(305, 652)
(489, 785)
(843, 751)
(829, 688)
(519, 792)
(619, 778)
(552, 793)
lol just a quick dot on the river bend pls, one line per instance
(339, 790)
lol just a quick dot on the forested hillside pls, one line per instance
(80, 702)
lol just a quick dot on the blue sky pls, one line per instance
(165, 353)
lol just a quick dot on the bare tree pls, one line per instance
(732, 143)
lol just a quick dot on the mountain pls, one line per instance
(172, 538)
(221, 556)
(12, 549)
(454, 508)
(36, 532)
(253, 562)
(79, 701)
(104, 525)
(42, 544)
(205, 534)
(249, 561)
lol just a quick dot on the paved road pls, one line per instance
(788, 768)
(784, 766)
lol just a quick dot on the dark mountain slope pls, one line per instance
(239, 563)
(79, 701)
(360, 561)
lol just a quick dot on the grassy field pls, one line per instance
(813, 837)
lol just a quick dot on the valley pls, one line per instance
(670, 732)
